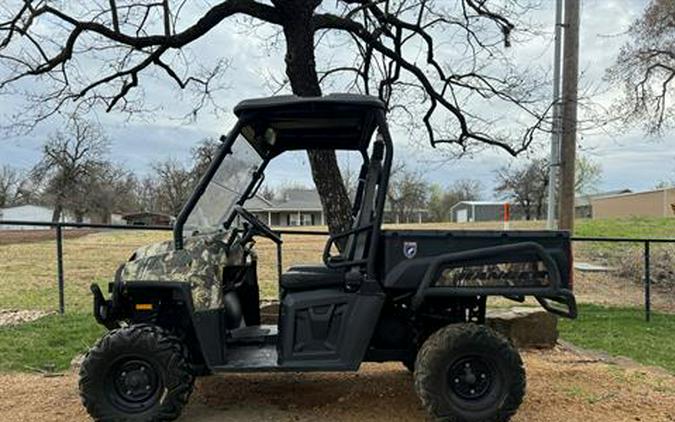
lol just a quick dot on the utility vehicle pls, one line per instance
(191, 306)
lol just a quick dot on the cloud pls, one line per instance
(628, 160)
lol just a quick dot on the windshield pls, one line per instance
(228, 184)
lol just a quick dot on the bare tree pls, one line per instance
(69, 160)
(109, 189)
(526, 186)
(59, 43)
(441, 200)
(27, 192)
(645, 68)
(666, 182)
(174, 185)
(407, 193)
(146, 194)
(350, 177)
(10, 180)
(588, 175)
(266, 193)
(202, 154)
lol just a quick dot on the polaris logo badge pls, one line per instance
(409, 249)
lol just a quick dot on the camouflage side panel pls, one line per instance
(152, 249)
(511, 274)
(201, 263)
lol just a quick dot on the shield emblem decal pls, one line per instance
(409, 249)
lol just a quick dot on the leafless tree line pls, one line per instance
(75, 175)
(526, 184)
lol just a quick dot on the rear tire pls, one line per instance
(136, 373)
(469, 373)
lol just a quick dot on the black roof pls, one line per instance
(335, 121)
(308, 105)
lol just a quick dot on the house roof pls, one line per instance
(300, 199)
(631, 193)
(18, 207)
(478, 203)
(585, 200)
(293, 200)
(145, 214)
(258, 203)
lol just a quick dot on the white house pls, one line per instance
(298, 207)
(34, 213)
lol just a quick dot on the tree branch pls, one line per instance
(435, 97)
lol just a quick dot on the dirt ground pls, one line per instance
(563, 385)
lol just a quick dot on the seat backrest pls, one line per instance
(356, 247)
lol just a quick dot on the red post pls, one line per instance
(507, 215)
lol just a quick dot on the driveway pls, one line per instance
(563, 385)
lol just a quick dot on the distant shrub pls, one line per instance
(662, 265)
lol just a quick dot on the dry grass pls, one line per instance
(662, 269)
(30, 236)
(28, 270)
(28, 267)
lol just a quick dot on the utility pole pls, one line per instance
(554, 161)
(568, 144)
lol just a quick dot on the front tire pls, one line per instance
(469, 373)
(136, 373)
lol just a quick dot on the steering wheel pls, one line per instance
(261, 227)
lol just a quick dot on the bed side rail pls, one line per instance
(552, 296)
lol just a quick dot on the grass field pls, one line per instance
(612, 253)
(48, 344)
(624, 332)
(639, 227)
(51, 342)
(28, 270)
(28, 281)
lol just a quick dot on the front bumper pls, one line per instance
(104, 310)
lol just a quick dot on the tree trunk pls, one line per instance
(527, 207)
(56, 214)
(301, 72)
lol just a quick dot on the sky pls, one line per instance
(629, 160)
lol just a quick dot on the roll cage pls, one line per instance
(347, 122)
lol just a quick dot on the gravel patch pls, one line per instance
(19, 316)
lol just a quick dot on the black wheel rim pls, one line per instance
(133, 385)
(471, 378)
